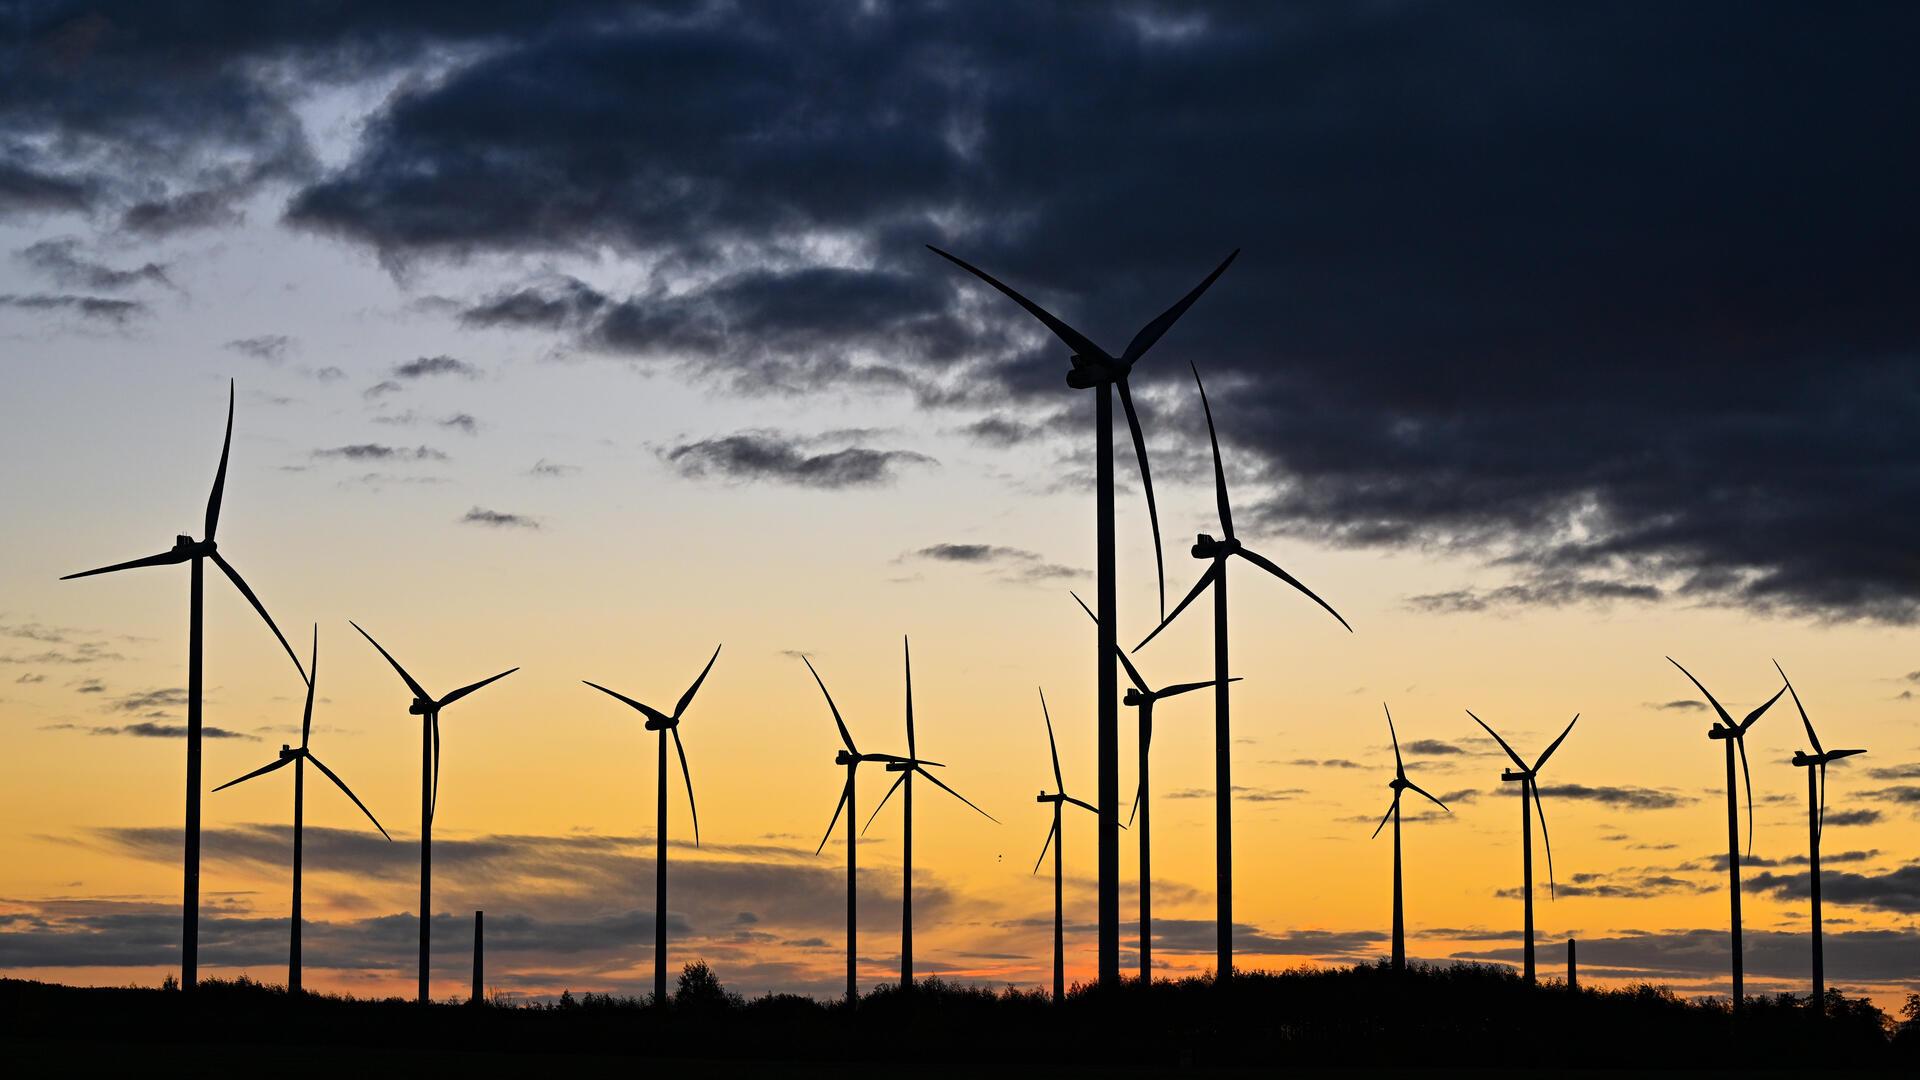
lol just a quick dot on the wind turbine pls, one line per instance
(1529, 778)
(1217, 552)
(1058, 840)
(1400, 785)
(1093, 368)
(195, 553)
(851, 757)
(427, 708)
(1734, 735)
(906, 767)
(298, 759)
(1816, 824)
(1142, 698)
(664, 724)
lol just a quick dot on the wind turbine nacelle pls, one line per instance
(1720, 731)
(1206, 547)
(1510, 775)
(1133, 696)
(658, 725)
(1087, 374)
(844, 758)
(420, 707)
(1802, 759)
(899, 766)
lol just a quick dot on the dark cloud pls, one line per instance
(463, 422)
(379, 452)
(25, 191)
(1435, 748)
(1625, 797)
(1852, 817)
(1009, 563)
(428, 366)
(498, 520)
(1904, 795)
(1326, 763)
(1897, 890)
(1196, 936)
(1544, 591)
(1870, 955)
(783, 459)
(1908, 771)
(1242, 793)
(271, 348)
(151, 701)
(998, 430)
(62, 260)
(99, 308)
(381, 389)
(1682, 705)
(1620, 886)
(31, 677)
(543, 467)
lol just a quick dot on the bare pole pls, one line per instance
(660, 881)
(1733, 877)
(1059, 930)
(853, 884)
(1813, 869)
(479, 957)
(906, 894)
(1399, 920)
(190, 885)
(1146, 854)
(1526, 866)
(1106, 676)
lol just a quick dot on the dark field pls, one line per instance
(1351, 1021)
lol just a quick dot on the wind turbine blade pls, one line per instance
(1391, 807)
(1755, 714)
(687, 698)
(1811, 737)
(1820, 822)
(1431, 799)
(165, 558)
(1838, 754)
(897, 781)
(649, 712)
(433, 800)
(955, 794)
(1749, 782)
(1219, 471)
(1555, 744)
(1146, 482)
(1082, 804)
(1052, 748)
(1399, 769)
(1043, 847)
(313, 676)
(687, 775)
(845, 791)
(1187, 687)
(261, 771)
(1139, 793)
(220, 474)
(906, 652)
(1715, 702)
(1074, 339)
(1517, 763)
(342, 785)
(234, 576)
(419, 692)
(1264, 563)
(1132, 672)
(470, 688)
(1152, 332)
(845, 736)
(1553, 891)
(1208, 578)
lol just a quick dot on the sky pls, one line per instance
(586, 337)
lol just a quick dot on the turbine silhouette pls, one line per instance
(1400, 785)
(427, 708)
(195, 553)
(907, 767)
(1095, 369)
(298, 759)
(1058, 840)
(1142, 698)
(1528, 778)
(1217, 552)
(851, 757)
(1816, 766)
(1734, 736)
(665, 725)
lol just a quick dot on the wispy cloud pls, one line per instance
(497, 519)
(380, 452)
(429, 366)
(774, 457)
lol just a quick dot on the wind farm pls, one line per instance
(583, 338)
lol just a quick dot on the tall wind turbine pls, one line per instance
(195, 553)
(1529, 781)
(1217, 552)
(1058, 839)
(1400, 785)
(1815, 764)
(1093, 368)
(907, 767)
(298, 759)
(851, 757)
(1141, 698)
(427, 708)
(664, 724)
(1734, 736)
